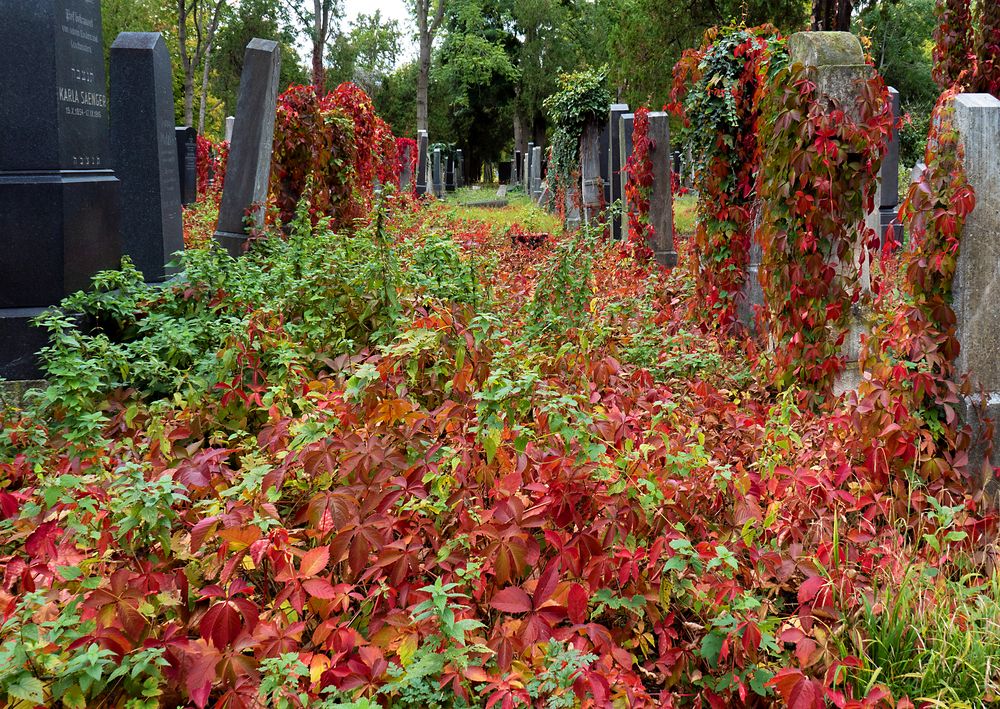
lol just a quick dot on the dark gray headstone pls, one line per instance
(518, 166)
(145, 142)
(459, 168)
(592, 190)
(604, 148)
(436, 174)
(59, 198)
(421, 162)
(187, 163)
(248, 169)
(450, 173)
(615, 113)
(526, 176)
(406, 173)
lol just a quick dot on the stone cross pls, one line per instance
(59, 198)
(145, 142)
(249, 168)
(187, 163)
(976, 287)
(615, 113)
(421, 162)
(661, 201)
(626, 124)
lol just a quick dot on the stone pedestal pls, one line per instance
(615, 113)
(976, 287)
(661, 202)
(248, 171)
(59, 199)
(145, 143)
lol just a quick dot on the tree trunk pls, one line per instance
(423, 81)
(832, 15)
(204, 93)
(319, 44)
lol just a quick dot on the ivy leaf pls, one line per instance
(512, 600)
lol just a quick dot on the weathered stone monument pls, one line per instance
(449, 175)
(976, 287)
(437, 176)
(421, 162)
(626, 125)
(249, 168)
(536, 171)
(230, 124)
(459, 168)
(143, 136)
(406, 169)
(615, 113)
(187, 163)
(59, 199)
(661, 201)
(518, 167)
(592, 190)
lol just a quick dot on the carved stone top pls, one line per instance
(825, 49)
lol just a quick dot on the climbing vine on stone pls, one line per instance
(716, 93)
(817, 183)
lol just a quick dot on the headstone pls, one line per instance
(590, 172)
(187, 163)
(677, 162)
(661, 200)
(976, 286)
(59, 198)
(885, 217)
(406, 172)
(459, 169)
(518, 167)
(615, 113)
(505, 171)
(421, 162)
(626, 124)
(450, 172)
(526, 177)
(145, 142)
(230, 123)
(604, 153)
(249, 168)
(536, 171)
(437, 175)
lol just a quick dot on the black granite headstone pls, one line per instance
(145, 143)
(459, 169)
(436, 176)
(59, 198)
(449, 175)
(421, 162)
(248, 170)
(187, 163)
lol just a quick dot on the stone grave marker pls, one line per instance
(437, 174)
(536, 171)
(526, 175)
(976, 287)
(406, 173)
(615, 113)
(459, 168)
(626, 124)
(230, 124)
(187, 163)
(590, 172)
(421, 162)
(145, 142)
(449, 175)
(885, 216)
(661, 201)
(59, 198)
(249, 168)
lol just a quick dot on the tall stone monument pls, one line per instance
(976, 287)
(230, 126)
(187, 163)
(592, 190)
(436, 174)
(536, 171)
(59, 199)
(248, 170)
(885, 217)
(459, 168)
(449, 174)
(661, 201)
(145, 144)
(615, 113)
(406, 171)
(421, 162)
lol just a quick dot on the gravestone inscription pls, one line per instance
(187, 163)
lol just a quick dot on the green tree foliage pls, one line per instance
(367, 54)
(648, 36)
(900, 33)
